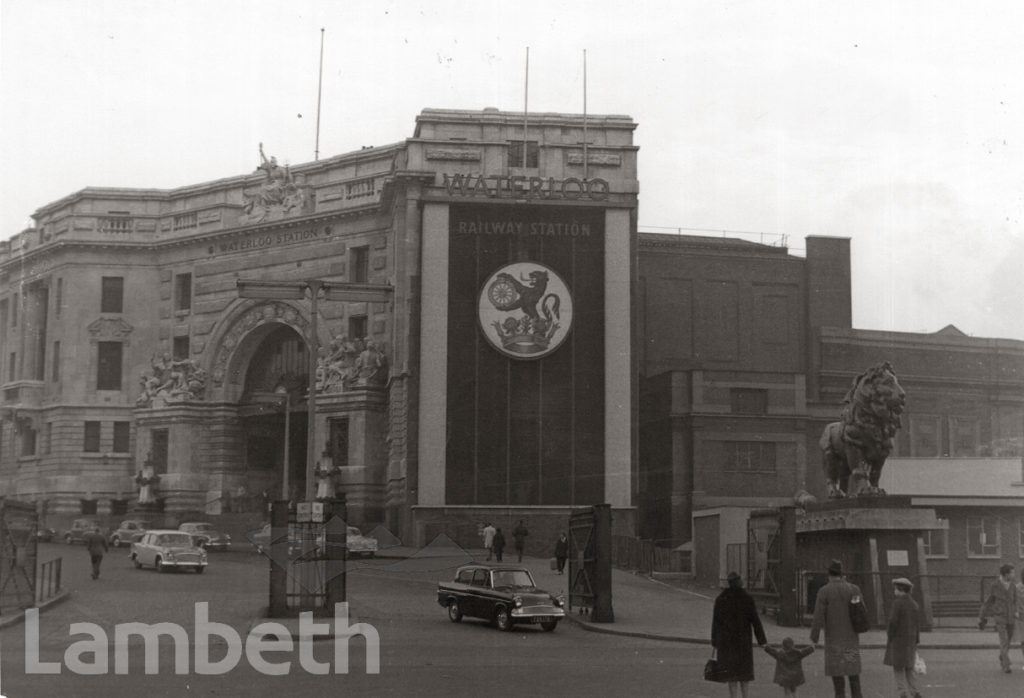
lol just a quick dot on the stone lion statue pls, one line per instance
(855, 447)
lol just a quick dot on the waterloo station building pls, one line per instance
(495, 340)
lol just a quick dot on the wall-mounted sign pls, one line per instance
(523, 187)
(525, 310)
(897, 558)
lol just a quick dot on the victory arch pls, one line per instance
(468, 293)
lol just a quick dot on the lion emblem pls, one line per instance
(855, 447)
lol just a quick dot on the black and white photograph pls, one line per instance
(544, 348)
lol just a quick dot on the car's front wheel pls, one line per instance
(548, 626)
(135, 561)
(67, 538)
(159, 564)
(115, 542)
(503, 620)
(454, 612)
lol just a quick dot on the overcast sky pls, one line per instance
(897, 124)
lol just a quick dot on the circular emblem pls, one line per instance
(525, 310)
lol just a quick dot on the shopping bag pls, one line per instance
(919, 666)
(711, 670)
(859, 615)
(554, 563)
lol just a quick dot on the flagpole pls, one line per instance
(585, 162)
(526, 97)
(319, 89)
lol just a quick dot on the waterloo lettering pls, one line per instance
(519, 227)
(523, 187)
(271, 240)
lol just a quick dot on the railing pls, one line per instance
(48, 580)
(649, 556)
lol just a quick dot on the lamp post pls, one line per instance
(287, 431)
(332, 291)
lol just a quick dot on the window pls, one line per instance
(14, 309)
(982, 537)
(360, 265)
(55, 363)
(338, 444)
(749, 401)
(59, 299)
(48, 438)
(179, 348)
(963, 433)
(87, 507)
(183, 292)
(749, 456)
(92, 437)
(28, 440)
(161, 448)
(924, 436)
(122, 436)
(936, 542)
(108, 366)
(357, 327)
(1020, 538)
(515, 153)
(12, 361)
(112, 294)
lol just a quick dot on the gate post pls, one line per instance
(278, 551)
(789, 611)
(603, 612)
(336, 544)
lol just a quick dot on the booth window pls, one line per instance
(982, 537)
(936, 543)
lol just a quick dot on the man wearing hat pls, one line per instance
(842, 644)
(902, 636)
(1001, 605)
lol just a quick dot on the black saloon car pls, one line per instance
(503, 594)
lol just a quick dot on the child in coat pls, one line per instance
(789, 671)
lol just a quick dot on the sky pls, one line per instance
(898, 125)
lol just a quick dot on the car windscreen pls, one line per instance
(512, 578)
(175, 540)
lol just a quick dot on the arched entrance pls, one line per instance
(274, 413)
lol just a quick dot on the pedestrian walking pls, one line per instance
(842, 644)
(489, 532)
(789, 669)
(519, 534)
(1020, 612)
(498, 544)
(902, 637)
(96, 544)
(1001, 605)
(561, 551)
(733, 619)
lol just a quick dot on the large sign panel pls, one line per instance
(525, 310)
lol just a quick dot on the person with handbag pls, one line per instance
(733, 619)
(902, 637)
(832, 614)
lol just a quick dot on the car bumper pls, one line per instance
(218, 545)
(185, 565)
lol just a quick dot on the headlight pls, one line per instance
(557, 601)
(169, 555)
(518, 601)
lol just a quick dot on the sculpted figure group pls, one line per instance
(173, 381)
(347, 363)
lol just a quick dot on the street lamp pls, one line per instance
(283, 391)
(332, 291)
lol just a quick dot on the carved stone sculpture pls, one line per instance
(855, 447)
(172, 381)
(281, 193)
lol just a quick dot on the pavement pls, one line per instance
(674, 610)
(677, 610)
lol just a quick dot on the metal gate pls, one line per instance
(18, 524)
(590, 562)
(308, 547)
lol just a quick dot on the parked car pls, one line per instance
(502, 594)
(358, 545)
(79, 529)
(206, 535)
(128, 532)
(165, 550)
(45, 535)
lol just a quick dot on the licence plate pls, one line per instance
(540, 619)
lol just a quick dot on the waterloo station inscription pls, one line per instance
(523, 187)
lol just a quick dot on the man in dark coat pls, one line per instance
(498, 544)
(1001, 604)
(519, 534)
(96, 544)
(733, 619)
(842, 644)
(902, 636)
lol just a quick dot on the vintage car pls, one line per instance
(503, 594)
(356, 543)
(166, 550)
(359, 545)
(79, 529)
(128, 532)
(206, 535)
